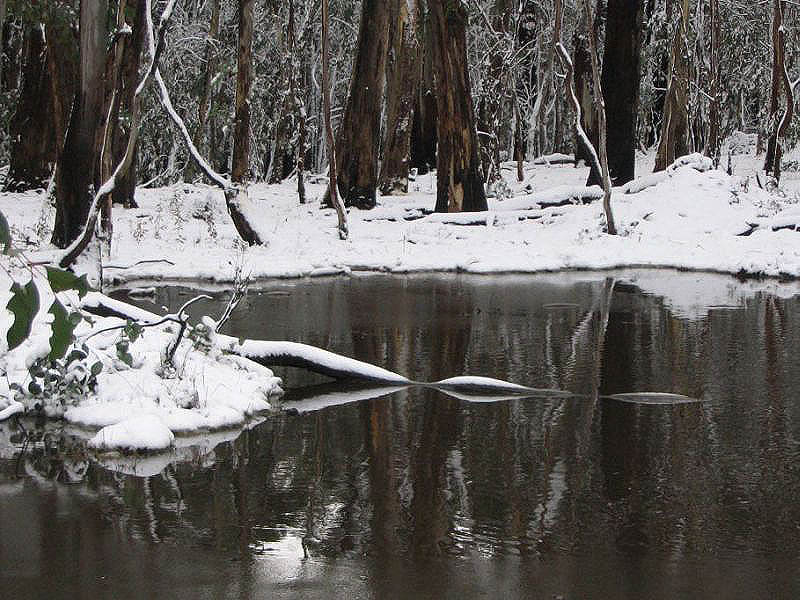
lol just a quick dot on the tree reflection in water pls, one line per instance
(394, 493)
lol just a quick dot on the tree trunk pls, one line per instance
(326, 109)
(241, 136)
(75, 172)
(358, 138)
(2, 24)
(109, 116)
(204, 103)
(602, 124)
(423, 129)
(584, 92)
(779, 42)
(460, 185)
(129, 78)
(675, 123)
(492, 103)
(778, 60)
(537, 132)
(620, 81)
(402, 83)
(713, 148)
(33, 140)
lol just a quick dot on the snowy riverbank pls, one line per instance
(687, 220)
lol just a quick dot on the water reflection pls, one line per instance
(414, 493)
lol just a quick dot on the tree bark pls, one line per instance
(326, 109)
(129, 78)
(358, 138)
(33, 140)
(402, 83)
(602, 124)
(204, 102)
(241, 136)
(584, 93)
(675, 123)
(713, 148)
(75, 174)
(2, 24)
(620, 81)
(423, 129)
(459, 181)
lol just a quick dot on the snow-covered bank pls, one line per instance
(685, 219)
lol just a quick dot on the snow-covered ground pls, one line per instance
(690, 218)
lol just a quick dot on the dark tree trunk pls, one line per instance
(2, 25)
(33, 139)
(402, 84)
(75, 172)
(358, 138)
(129, 79)
(241, 136)
(460, 185)
(620, 83)
(423, 129)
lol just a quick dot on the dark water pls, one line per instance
(416, 494)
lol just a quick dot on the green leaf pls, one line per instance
(24, 304)
(61, 280)
(96, 368)
(62, 329)
(34, 388)
(5, 235)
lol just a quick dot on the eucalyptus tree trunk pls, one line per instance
(333, 194)
(204, 102)
(358, 138)
(773, 158)
(602, 124)
(244, 80)
(620, 81)
(75, 173)
(33, 140)
(584, 93)
(675, 123)
(423, 130)
(713, 147)
(129, 78)
(779, 52)
(402, 83)
(459, 181)
(2, 24)
(491, 105)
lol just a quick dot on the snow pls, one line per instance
(690, 217)
(146, 432)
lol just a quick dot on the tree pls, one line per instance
(675, 123)
(423, 129)
(459, 181)
(76, 168)
(244, 80)
(204, 103)
(33, 139)
(402, 83)
(620, 81)
(358, 137)
(326, 102)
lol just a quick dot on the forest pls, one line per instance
(463, 88)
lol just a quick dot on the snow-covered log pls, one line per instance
(266, 353)
(696, 161)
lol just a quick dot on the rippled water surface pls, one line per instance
(413, 493)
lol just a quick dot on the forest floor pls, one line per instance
(689, 220)
(692, 218)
